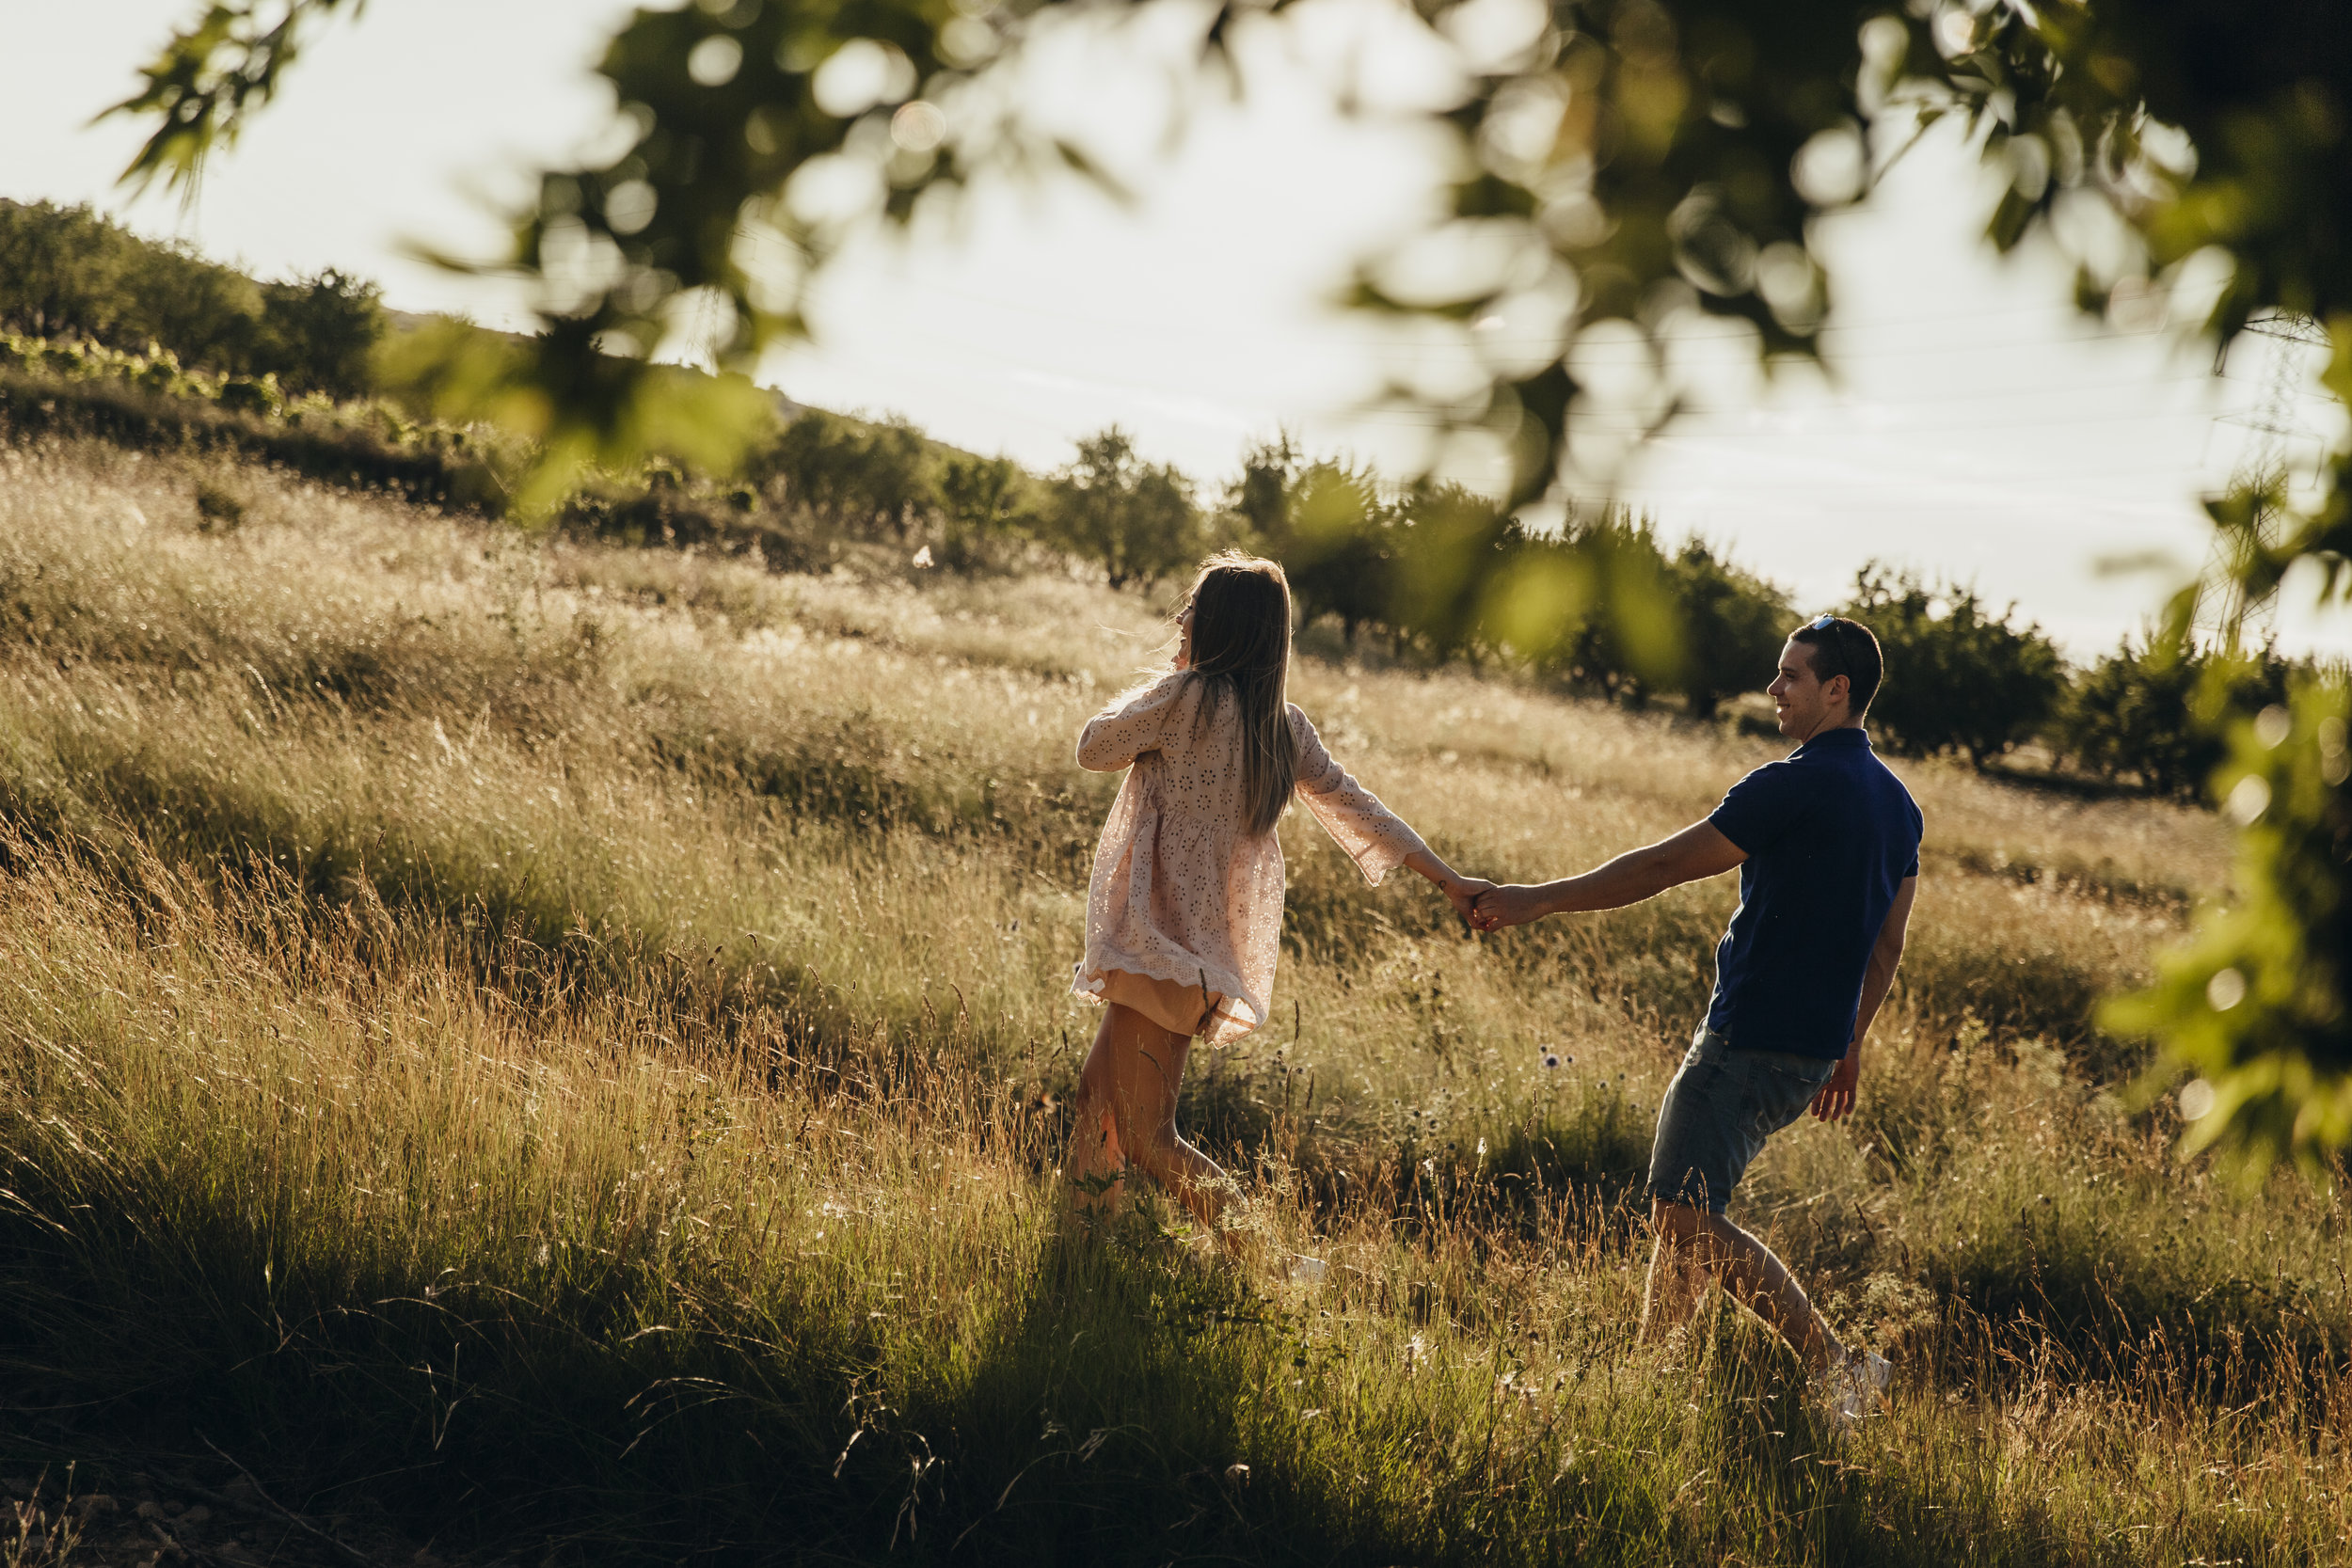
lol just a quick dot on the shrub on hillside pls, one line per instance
(252, 394)
(68, 272)
(1446, 542)
(319, 334)
(1618, 630)
(1958, 677)
(660, 507)
(2141, 713)
(1338, 552)
(1597, 603)
(1732, 626)
(984, 504)
(1328, 525)
(854, 475)
(1136, 519)
(83, 389)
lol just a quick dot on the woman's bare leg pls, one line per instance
(1096, 1164)
(1127, 1120)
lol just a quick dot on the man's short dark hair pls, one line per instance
(1844, 647)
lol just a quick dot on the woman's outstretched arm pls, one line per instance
(1374, 836)
(1460, 891)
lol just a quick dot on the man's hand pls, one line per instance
(1835, 1098)
(1514, 904)
(1463, 893)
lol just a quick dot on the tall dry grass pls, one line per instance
(583, 1029)
(303, 1180)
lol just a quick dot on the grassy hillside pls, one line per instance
(560, 1051)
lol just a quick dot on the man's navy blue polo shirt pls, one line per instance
(1830, 835)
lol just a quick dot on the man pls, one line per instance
(1827, 843)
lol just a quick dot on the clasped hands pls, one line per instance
(1487, 906)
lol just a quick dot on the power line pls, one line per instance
(2260, 475)
(1428, 422)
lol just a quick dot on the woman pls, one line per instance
(1184, 911)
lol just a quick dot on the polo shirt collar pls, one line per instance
(1837, 739)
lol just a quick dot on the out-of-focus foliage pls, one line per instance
(1628, 146)
(2146, 712)
(2258, 1003)
(1631, 156)
(538, 388)
(1959, 678)
(65, 272)
(1449, 547)
(1594, 604)
(1133, 518)
(2155, 130)
(1627, 156)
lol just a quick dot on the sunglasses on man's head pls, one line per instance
(1830, 623)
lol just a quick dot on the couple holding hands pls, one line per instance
(1184, 914)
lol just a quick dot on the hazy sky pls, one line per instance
(1975, 424)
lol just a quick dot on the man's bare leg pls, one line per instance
(1694, 1244)
(1676, 1281)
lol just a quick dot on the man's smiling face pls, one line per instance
(1801, 700)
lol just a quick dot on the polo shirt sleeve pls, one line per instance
(1760, 808)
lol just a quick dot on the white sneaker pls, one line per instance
(1850, 1388)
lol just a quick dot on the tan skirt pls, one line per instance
(1173, 1006)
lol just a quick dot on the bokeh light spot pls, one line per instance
(629, 206)
(713, 62)
(2226, 990)
(918, 127)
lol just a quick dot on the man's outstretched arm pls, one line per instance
(1837, 1095)
(1697, 852)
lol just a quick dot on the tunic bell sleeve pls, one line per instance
(1134, 723)
(1374, 837)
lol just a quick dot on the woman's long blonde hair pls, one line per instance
(1241, 640)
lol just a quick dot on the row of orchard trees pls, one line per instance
(1599, 605)
(1432, 570)
(1138, 521)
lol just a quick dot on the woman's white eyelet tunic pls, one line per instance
(1180, 890)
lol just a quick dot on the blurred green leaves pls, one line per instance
(2256, 1006)
(611, 412)
(1628, 147)
(210, 76)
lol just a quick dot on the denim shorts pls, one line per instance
(1719, 1110)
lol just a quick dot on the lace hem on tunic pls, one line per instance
(1234, 1016)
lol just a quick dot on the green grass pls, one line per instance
(570, 1044)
